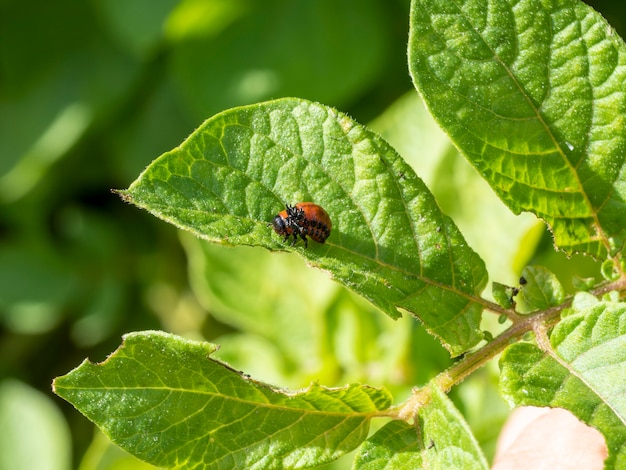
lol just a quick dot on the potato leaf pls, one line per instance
(586, 374)
(441, 439)
(533, 94)
(164, 400)
(390, 242)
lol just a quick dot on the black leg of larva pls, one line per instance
(303, 236)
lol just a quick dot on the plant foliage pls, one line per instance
(532, 93)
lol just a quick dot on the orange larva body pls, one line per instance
(305, 218)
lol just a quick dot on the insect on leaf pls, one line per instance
(389, 240)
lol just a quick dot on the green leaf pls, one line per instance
(102, 454)
(311, 49)
(446, 432)
(541, 289)
(584, 283)
(303, 326)
(503, 294)
(164, 400)
(593, 343)
(279, 295)
(610, 270)
(34, 432)
(394, 446)
(442, 439)
(389, 243)
(533, 95)
(460, 191)
(586, 376)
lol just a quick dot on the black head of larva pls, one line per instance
(302, 219)
(280, 225)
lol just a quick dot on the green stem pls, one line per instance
(539, 321)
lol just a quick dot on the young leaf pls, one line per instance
(503, 294)
(541, 289)
(394, 446)
(533, 94)
(587, 376)
(164, 400)
(593, 343)
(445, 431)
(584, 283)
(389, 240)
(442, 440)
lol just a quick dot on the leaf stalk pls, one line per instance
(538, 322)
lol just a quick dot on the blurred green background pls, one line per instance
(91, 92)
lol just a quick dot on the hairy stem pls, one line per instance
(537, 322)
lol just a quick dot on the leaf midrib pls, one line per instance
(594, 214)
(231, 398)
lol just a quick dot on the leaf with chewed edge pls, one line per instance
(389, 242)
(164, 400)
